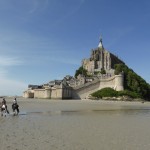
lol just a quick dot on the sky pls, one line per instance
(44, 40)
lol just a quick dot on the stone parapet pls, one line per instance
(83, 91)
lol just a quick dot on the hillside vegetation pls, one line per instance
(133, 82)
(109, 93)
(134, 85)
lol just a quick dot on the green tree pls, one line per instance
(105, 92)
(103, 71)
(82, 71)
(119, 68)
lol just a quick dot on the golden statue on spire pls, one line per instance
(100, 42)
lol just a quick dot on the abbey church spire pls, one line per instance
(100, 45)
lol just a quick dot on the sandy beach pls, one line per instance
(76, 125)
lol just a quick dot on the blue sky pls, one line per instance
(43, 40)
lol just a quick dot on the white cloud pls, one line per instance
(11, 87)
(9, 61)
(5, 63)
(3, 72)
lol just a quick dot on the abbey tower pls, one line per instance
(100, 59)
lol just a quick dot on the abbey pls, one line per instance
(100, 74)
(100, 59)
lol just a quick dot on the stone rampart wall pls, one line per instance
(56, 93)
(83, 90)
(67, 93)
(28, 94)
(39, 93)
(115, 82)
(80, 92)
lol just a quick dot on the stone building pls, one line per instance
(52, 90)
(81, 87)
(100, 59)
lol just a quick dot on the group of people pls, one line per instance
(15, 106)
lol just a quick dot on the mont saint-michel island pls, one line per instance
(102, 75)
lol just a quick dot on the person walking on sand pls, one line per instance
(15, 101)
(15, 106)
(3, 101)
(4, 106)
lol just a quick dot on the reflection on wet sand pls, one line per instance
(123, 111)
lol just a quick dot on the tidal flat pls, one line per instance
(76, 125)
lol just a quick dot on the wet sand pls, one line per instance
(76, 125)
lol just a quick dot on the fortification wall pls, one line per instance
(119, 82)
(49, 93)
(67, 93)
(28, 94)
(39, 93)
(82, 92)
(56, 93)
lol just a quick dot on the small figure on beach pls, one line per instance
(3, 101)
(15, 107)
(3, 107)
(15, 101)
